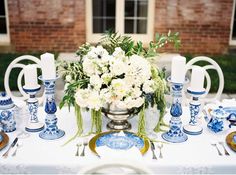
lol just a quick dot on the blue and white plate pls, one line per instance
(119, 141)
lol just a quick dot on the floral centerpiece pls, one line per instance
(117, 71)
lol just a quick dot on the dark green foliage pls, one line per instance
(5, 60)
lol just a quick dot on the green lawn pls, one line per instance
(228, 66)
(5, 60)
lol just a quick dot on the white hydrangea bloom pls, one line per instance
(118, 67)
(135, 92)
(140, 68)
(96, 82)
(149, 86)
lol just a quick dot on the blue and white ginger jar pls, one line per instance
(7, 111)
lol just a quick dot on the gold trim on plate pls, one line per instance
(92, 142)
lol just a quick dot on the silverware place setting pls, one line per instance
(222, 144)
(225, 150)
(85, 143)
(160, 146)
(153, 150)
(5, 155)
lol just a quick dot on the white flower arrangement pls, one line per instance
(118, 72)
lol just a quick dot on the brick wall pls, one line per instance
(204, 25)
(59, 25)
(46, 25)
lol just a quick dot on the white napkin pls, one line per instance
(130, 154)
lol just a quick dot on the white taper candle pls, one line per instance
(178, 69)
(48, 66)
(30, 76)
(197, 79)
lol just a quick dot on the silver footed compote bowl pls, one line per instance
(118, 116)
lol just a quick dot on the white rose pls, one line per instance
(118, 53)
(88, 66)
(81, 97)
(94, 100)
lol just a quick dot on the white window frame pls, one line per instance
(231, 40)
(120, 22)
(5, 38)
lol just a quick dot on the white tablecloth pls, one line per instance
(196, 155)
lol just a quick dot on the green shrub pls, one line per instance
(228, 66)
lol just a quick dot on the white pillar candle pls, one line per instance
(31, 78)
(178, 69)
(48, 66)
(197, 79)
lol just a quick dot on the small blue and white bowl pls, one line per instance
(7, 112)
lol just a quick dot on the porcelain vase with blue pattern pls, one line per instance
(51, 130)
(175, 134)
(194, 127)
(33, 124)
(7, 111)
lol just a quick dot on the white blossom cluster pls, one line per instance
(115, 78)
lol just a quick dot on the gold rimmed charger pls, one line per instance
(92, 142)
(230, 140)
(5, 140)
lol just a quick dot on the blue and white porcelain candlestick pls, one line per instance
(194, 127)
(51, 130)
(175, 134)
(33, 124)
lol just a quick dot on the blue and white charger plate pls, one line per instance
(113, 140)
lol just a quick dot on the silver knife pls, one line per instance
(5, 155)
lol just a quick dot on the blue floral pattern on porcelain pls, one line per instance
(120, 142)
(216, 123)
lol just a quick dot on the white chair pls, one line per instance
(212, 65)
(16, 64)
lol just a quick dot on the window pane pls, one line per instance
(142, 26)
(129, 26)
(103, 15)
(3, 27)
(136, 16)
(142, 8)
(102, 25)
(129, 8)
(2, 8)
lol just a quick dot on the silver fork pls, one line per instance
(215, 145)
(85, 143)
(153, 150)
(160, 147)
(226, 152)
(77, 151)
